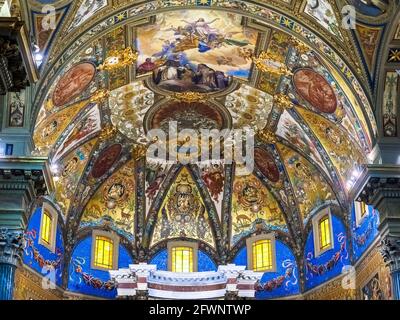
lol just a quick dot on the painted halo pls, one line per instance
(106, 160)
(316, 90)
(73, 83)
(266, 164)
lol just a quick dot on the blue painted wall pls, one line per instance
(205, 263)
(37, 256)
(83, 279)
(283, 282)
(364, 234)
(331, 262)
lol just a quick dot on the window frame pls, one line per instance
(255, 239)
(358, 212)
(53, 228)
(193, 245)
(115, 255)
(318, 251)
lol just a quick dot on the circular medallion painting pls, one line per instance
(106, 160)
(266, 164)
(73, 83)
(316, 90)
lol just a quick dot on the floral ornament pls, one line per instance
(361, 239)
(90, 280)
(288, 279)
(33, 252)
(319, 270)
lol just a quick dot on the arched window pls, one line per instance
(323, 233)
(104, 251)
(48, 227)
(361, 210)
(325, 237)
(261, 253)
(45, 230)
(182, 256)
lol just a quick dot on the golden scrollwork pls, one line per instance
(283, 101)
(267, 136)
(139, 151)
(265, 63)
(119, 58)
(190, 96)
(300, 46)
(107, 132)
(100, 96)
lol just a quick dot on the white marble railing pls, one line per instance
(194, 285)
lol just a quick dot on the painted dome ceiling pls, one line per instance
(232, 66)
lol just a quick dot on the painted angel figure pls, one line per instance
(201, 28)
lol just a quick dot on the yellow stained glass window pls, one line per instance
(262, 255)
(182, 259)
(325, 239)
(103, 254)
(46, 227)
(363, 208)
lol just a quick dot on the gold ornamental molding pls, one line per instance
(100, 96)
(190, 96)
(282, 101)
(267, 136)
(107, 132)
(265, 63)
(119, 58)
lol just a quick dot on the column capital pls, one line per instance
(376, 183)
(11, 246)
(390, 251)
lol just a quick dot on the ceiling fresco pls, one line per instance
(211, 69)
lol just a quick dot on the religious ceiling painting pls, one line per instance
(310, 187)
(368, 37)
(128, 106)
(254, 208)
(51, 127)
(318, 90)
(390, 103)
(324, 14)
(183, 213)
(290, 130)
(106, 160)
(156, 172)
(78, 83)
(314, 88)
(249, 108)
(310, 150)
(70, 171)
(344, 153)
(87, 9)
(213, 176)
(266, 163)
(88, 126)
(195, 50)
(73, 83)
(114, 202)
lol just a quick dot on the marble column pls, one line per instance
(379, 186)
(11, 249)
